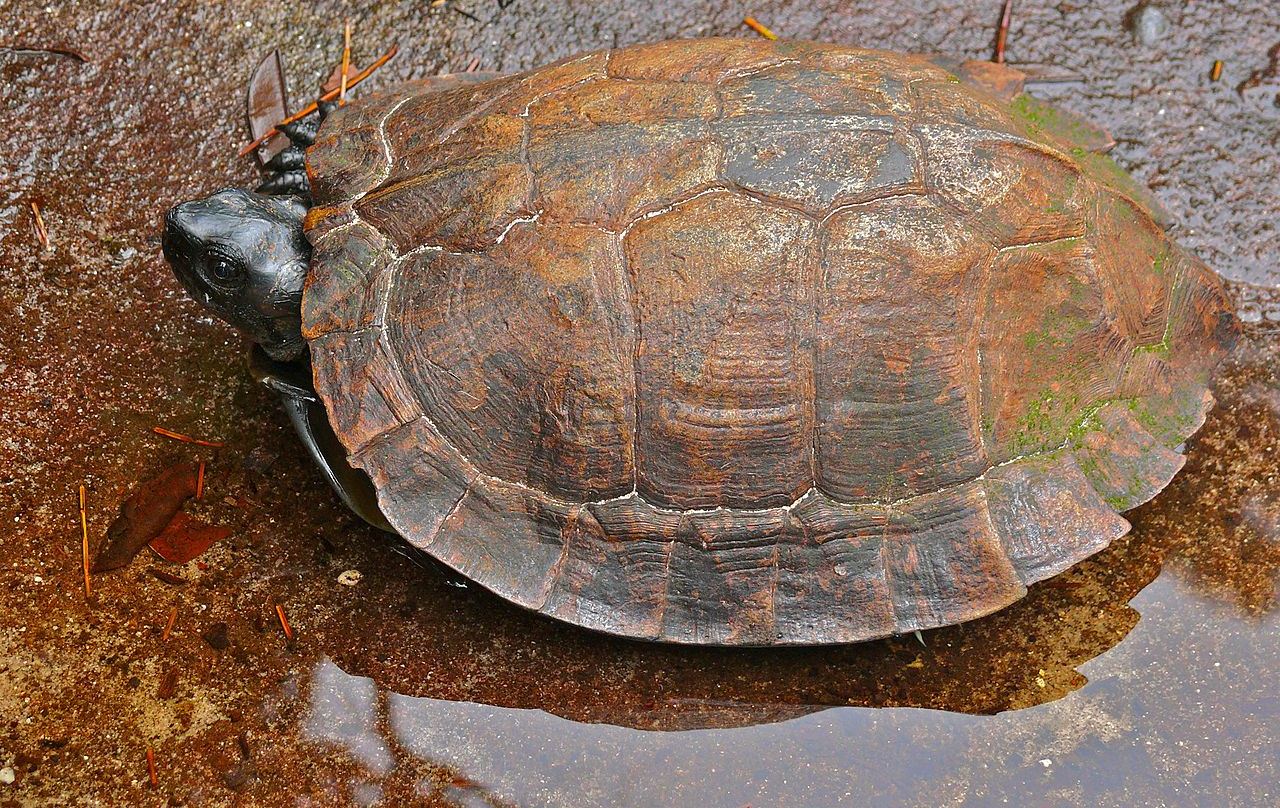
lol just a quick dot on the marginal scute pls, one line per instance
(749, 343)
(944, 561)
(1168, 379)
(1001, 81)
(363, 388)
(417, 130)
(526, 88)
(348, 156)
(1048, 201)
(419, 475)
(868, 68)
(940, 104)
(509, 537)
(611, 102)
(1123, 461)
(342, 298)
(832, 585)
(716, 60)
(1058, 128)
(1105, 171)
(613, 577)
(1048, 514)
(1199, 315)
(720, 579)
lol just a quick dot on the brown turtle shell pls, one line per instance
(748, 343)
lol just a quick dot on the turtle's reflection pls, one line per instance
(1216, 527)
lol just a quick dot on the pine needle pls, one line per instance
(84, 541)
(759, 28)
(346, 62)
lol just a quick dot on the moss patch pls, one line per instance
(1160, 350)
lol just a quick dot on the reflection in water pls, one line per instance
(1130, 737)
(1214, 528)
(343, 711)
(474, 703)
(1219, 523)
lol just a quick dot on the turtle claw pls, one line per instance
(290, 159)
(301, 133)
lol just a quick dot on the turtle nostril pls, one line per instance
(173, 238)
(177, 229)
(173, 219)
(170, 226)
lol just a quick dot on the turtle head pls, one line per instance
(244, 257)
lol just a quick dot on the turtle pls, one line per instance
(721, 341)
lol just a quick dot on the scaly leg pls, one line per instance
(286, 172)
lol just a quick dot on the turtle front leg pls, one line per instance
(292, 382)
(286, 172)
(287, 176)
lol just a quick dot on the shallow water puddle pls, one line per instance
(1143, 676)
(1131, 736)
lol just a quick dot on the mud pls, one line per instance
(1142, 676)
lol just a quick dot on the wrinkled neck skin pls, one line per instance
(244, 257)
(280, 310)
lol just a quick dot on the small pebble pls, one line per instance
(6, 775)
(350, 578)
(1149, 25)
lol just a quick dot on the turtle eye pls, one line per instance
(224, 270)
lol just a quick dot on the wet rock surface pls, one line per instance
(1141, 676)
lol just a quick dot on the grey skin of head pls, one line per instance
(244, 257)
